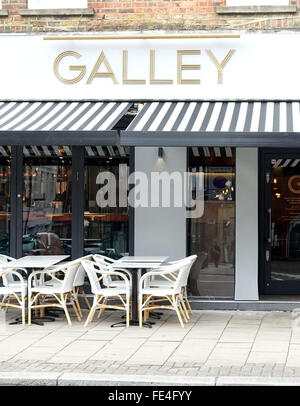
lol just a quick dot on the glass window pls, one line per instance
(5, 161)
(46, 4)
(105, 226)
(212, 236)
(47, 200)
(257, 2)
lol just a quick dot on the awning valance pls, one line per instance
(215, 123)
(60, 123)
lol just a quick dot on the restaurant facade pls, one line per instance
(157, 143)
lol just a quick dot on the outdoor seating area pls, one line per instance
(134, 285)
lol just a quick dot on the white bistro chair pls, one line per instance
(13, 294)
(150, 297)
(55, 294)
(102, 294)
(186, 263)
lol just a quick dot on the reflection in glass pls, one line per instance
(105, 228)
(47, 198)
(5, 161)
(212, 236)
(285, 220)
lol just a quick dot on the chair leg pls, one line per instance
(90, 316)
(75, 291)
(76, 310)
(86, 300)
(36, 310)
(29, 311)
(188, 304)
(8, 302)
(179, 317)
(67, 315)
(185, 310)
(63, 302)
(23, 311)
(182, 312)
(101, 311)
(127, 311)
(140, 312)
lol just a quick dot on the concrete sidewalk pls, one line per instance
(214, 348)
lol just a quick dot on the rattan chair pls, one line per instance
(102, 294)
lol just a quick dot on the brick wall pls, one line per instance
(115, 15)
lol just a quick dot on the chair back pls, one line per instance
(187, 265)
(80, 275)
(70, 273)
(8, 278)
(95, 271)
(104, 261)
(92, 274)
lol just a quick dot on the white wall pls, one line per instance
(246, 272)
(257, 2)
(45, 4)
(160, 231)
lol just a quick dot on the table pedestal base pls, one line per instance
(132, 323)
(33, 321)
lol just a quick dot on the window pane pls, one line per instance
(105, 228)
(5, 161)
(47, 201)
(212, 236)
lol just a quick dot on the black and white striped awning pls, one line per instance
(216, 123)
(62, 123)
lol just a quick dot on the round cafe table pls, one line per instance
(134, 264)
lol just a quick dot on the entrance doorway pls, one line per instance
(280, 222)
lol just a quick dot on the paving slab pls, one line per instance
(256, 381)
(29, 378)
(72, 379)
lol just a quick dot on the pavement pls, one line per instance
(216, 348)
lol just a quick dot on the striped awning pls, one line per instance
(215, 123)
(62, 123)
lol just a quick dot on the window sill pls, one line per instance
(256, 9)
(3, 13)
(57, 12)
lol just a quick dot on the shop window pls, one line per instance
(106, 227)
(5, 200)
(47, 200)
(212, 235)
(53, 4)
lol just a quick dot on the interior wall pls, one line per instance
(160, 230)
(246, 272)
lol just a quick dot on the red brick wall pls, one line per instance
(138, 15)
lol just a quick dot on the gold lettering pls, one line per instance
(181, 67)
(154, 81)
(220, 66)
(108, 74)
(80, 68)
(127, 81)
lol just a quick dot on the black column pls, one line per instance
(131, 209)
(16, 219)
(77, 201)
